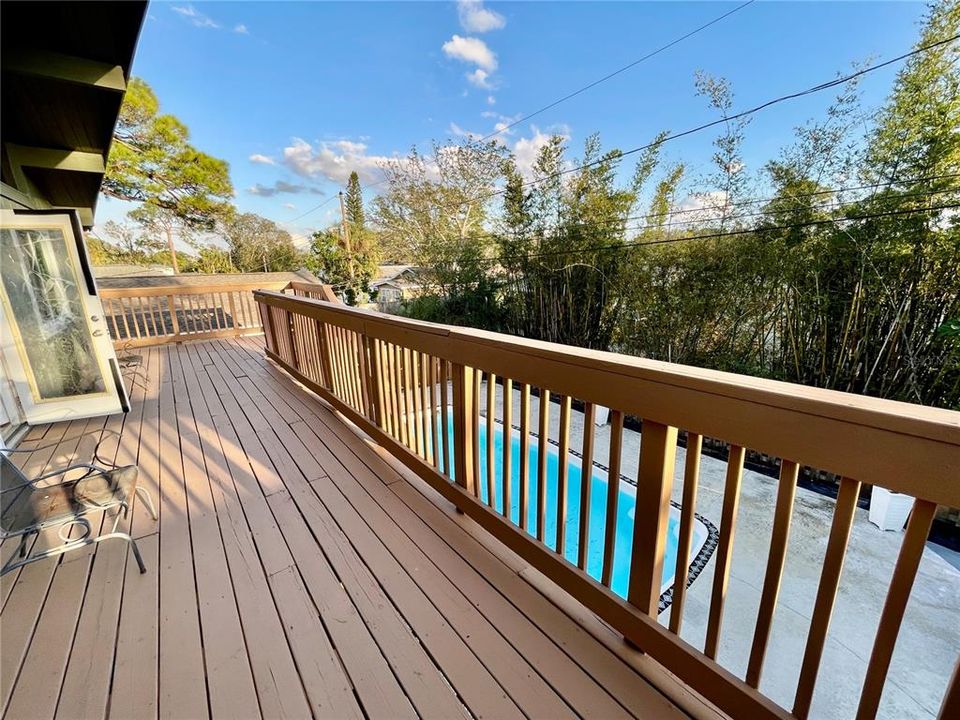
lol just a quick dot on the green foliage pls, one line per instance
(152, 161)
(209, 259)
(329, 260)
(354, 204)
(255, 244)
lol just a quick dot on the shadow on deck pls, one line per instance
(294, 571)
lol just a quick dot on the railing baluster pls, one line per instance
(463, 418)
(425, 362)
(475, 431)
(691, 479)
(826, 593)
(658, 454)
(420, 440)
(445, 412)
(724, 551)
(908, 562)
(126, 325)
(525, 455)
(562, 474)
(543, 446)
(434, 421)
(408, 395)
(586, 483)
(404, 411)
(613, 493)
(787, 489)
(175, 321)
(491, 426)
(507, 470)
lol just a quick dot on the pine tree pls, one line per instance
(354, 203)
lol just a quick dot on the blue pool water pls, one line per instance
(598, 507)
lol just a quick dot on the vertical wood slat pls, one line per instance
(843, 515)
(409, 424)
(524, 455)
(424, 381)
(463, 402)
(475, 432)
(445, 414)
(389, 399)
(563, 470)
(123, 316)
(724, 551)
(491, 467)
(419, 441)
(904, 573)
(691, 480)
(175, 321)
(543, 447)
(370, 359)
(586, 483)
(507, 468)
(786, 491)
(326, 361)
(434, 420)
(658, 454)
(613, 492)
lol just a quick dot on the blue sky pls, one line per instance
(294, 95)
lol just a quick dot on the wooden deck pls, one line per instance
(294, 571)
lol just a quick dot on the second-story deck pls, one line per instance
(293, 571)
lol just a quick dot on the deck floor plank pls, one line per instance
(295, 571)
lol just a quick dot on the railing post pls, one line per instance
(658, 454)
(325, 360)
(371, 380)
(288, 323)
(463, 448)
(172, 304)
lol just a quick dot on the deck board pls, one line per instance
(294, 571)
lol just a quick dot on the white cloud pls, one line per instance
(241, 28)
(702, 207)
(474, 17)
(262, 159)
(196, 17)
(458, 131)
(480, 78)
(525, 150)
(290, 206)
(281, 186)
(333, 160)
(491, 100)
(471, 50)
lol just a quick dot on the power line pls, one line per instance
(729, 233)
(618, 71)
(759, 213)
(783, 98)
(313, 209)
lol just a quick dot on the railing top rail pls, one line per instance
(154, 290)
(905, 447)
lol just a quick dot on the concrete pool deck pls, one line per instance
(929, 641)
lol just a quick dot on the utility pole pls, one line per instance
(345, 229)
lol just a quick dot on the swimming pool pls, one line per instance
(703, 534)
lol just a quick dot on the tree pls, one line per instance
(434, 209)
(354, 202)
(209, 259)
(256, 244)
(152, 162)
(328, 258)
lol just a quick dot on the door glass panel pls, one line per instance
(45, 302)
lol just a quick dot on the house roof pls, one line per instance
(397, 275)
(205, 279)
(65, 67)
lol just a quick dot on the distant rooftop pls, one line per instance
(201, 279)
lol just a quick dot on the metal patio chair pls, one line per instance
(30, 506)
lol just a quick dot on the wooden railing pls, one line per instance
(404, 382)
(142, 316)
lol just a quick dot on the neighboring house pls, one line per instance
(396, 283)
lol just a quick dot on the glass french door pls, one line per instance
(55, 343)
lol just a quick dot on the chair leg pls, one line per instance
(136, 554)
(144, 495)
